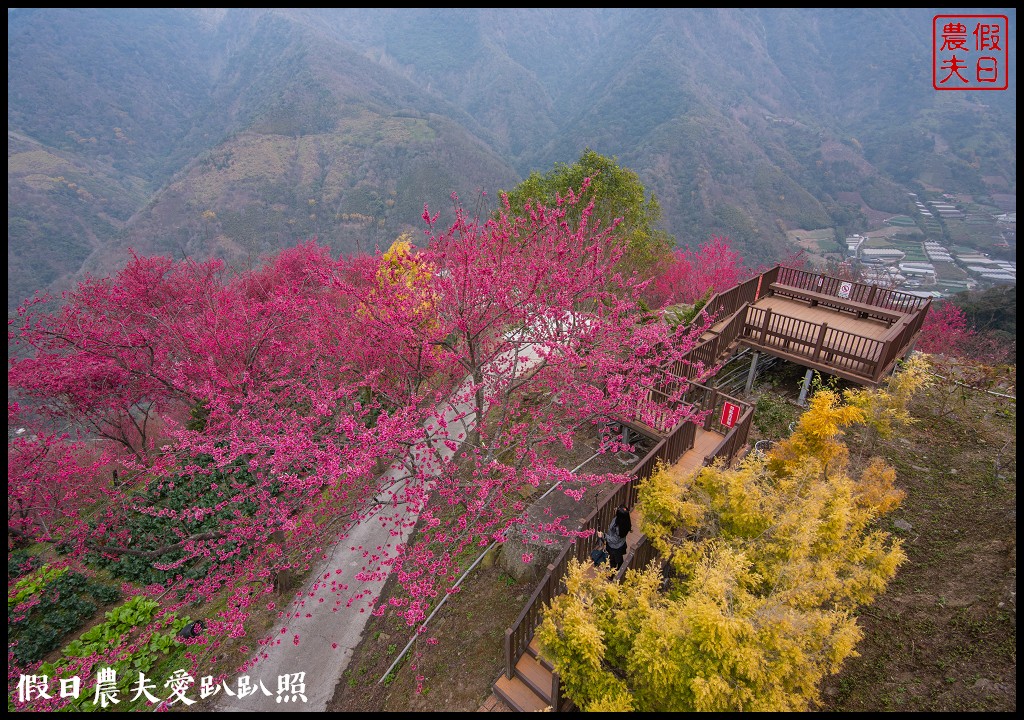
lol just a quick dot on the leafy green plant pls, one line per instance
(31, 584)
(106, 594)
(21, 562)
(129, 636)
(773, 415)
(46, 606)
(177, 492)
(819, 383)
(135, 612)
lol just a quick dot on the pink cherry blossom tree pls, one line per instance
(303, 397)
(282, 428)
(945, 330)
(532, 336)
(116, 352)
(48, 480)
(691, 274)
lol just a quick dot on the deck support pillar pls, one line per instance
(804, 387)
(752, 373)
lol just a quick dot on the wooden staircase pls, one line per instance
(533, 687)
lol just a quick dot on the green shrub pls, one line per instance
(21, 562)
(47, 606)
(203, 488)
(126, 636)
(773, 415)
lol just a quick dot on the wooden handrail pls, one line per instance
(858, 350)
(668, 450)
(737, 305)
(859, 292)
(837, 303)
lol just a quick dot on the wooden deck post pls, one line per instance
(510, 661)
(883, 359)
(764, 329)
(712, 399)
(821, 340)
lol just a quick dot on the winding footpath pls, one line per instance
(324, 624)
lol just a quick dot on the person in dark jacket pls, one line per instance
(615, 537)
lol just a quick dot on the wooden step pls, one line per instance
(537, 677)
(518, 695)
(534, 649)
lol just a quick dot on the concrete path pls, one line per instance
(331, 615)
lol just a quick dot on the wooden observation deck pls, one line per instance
(850, 330)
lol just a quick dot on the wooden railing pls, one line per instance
(704, 355)
(725, 304)
(714, 401)
(734, 440)
(859, 292)
(730, 331)
(708, 352)
(729, 304)
(640, 556)
(667, 451)
(817, 299)
(856, 354)
(518, 636)
(898, 339)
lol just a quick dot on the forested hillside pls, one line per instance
(236, 132)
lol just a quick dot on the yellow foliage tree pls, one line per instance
(887, 409)
(402, 275)
(401, 295)
(768, 562)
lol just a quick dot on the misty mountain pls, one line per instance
(238, 132)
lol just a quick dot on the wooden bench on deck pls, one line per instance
(862, 310)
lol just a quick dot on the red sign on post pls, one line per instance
(730, 414)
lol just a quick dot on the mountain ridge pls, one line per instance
(241, 131)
